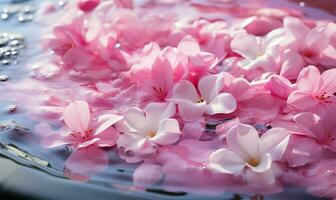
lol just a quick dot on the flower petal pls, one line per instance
(308, 79)
(106, 121)
(222, 103)
(264, 165)
(185, 90)
(77, 116)
(191, 111)
(274, 141)
(244, 140)
(209, 86)
(301, 100)
(86, 161)
(242, 44)
(189, 46)
(168, 133)
(135, 118)
(155, 112)
(55, 140)
(225, 161)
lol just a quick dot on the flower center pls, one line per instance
(253, 162)
(86, 134)
(160, 92)
(151, 133)
(308, 53)
(324, 97)
(200, 100)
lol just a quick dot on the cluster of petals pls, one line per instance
(245, 106)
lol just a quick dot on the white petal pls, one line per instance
(225, 161)
(222, 103)
(244, 140)
(168, 133)
(106, 121)
(135, 118)
(209, 86)
(264, 165)
(191, 111)
(155, 112)
(275, 142)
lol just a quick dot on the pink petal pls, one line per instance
(328, 81)
(209, 86)
(108, 138)
(79, 59)
(168, 133)
(55, 140)
(222, 103)
(296, 26)
(242, 44)
(86, 161)
(292, 64)
(301, 100)
(87, 143)
(88, 5)
(162, 76)
(225, 161)
(185, 90)
(147, 174)
(308, 78)
(244, 140)
(279, 86)
(106, 121)
(189, 46)
(317, 39)
(77, 116)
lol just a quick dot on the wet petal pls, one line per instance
(222, 103)
(77, 116)
(226, 161)
(168, 133)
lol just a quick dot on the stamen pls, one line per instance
(253, 162)
(151, 133)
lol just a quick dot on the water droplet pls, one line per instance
(5, 62)
(4, 16)
(14, 53)
(302, 4)
(3, 78)
(12, 108)
(25, 17)
(3, 41)
(61, 3)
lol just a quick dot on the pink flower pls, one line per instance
(322, 129)
(315, 91)
(86, 136)
(208, 99)
(264, 52)
(313, 44)
(248, 150)
(145, 130)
